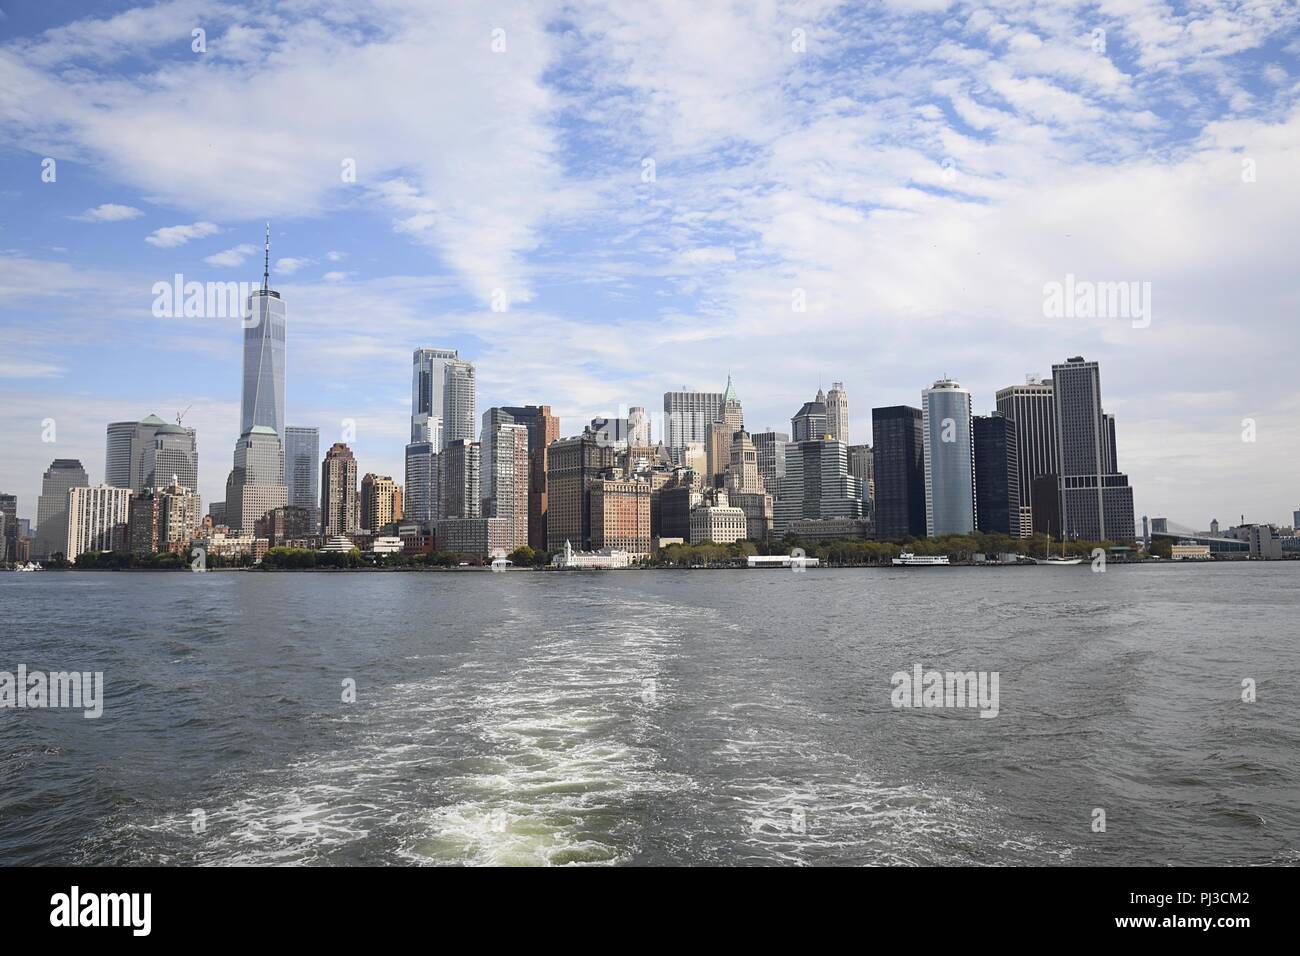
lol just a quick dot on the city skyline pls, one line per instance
(613, 291)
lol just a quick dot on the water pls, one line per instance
(659, 717)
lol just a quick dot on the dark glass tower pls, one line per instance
(897, 440)
(997, 475)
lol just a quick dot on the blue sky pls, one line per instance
(919, 170)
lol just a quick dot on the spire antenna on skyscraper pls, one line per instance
(266, 266)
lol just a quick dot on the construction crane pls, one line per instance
(180, 415)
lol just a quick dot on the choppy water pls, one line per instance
(656, 717)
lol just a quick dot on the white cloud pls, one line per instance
(288, 266)
(169, 237)
(109, 212)
(234, 256)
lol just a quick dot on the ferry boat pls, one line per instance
(28, 567)
(909, 560)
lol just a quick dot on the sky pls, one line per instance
(597, 202)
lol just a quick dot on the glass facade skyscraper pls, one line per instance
(428, 382)
(949, 459)
(997, 476)
(301, 469)
(264, 333)
(896, 443)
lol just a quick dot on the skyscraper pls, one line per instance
(837, 412)
(717, 448)
(572, 465)
(9, 546)
(543, 428)
(746, 490)
(302, 469)
(687, 415)
(949, 459)
(52, 506)
(428, 395)
(459, 420)
(126, 448)
(769, 448)
(264, 334)
(862, 467)
(97, 520)
(817, 485)
(505, 475)
(1032, 408)
(171, 457)
(460, 479)
(120, 450)
(638, 424)
(256, 482)
(339, 514)
(423, 501)
(896, 441)
(809, 423)
(428, 383)
(997, 476)
(1096, 504)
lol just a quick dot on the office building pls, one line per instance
(997, 476)
(949, 456)
(256, 482)
(302, 469)
(620, 514)
(460, 480)
(572, 465)
(769, 446)
(1096, 504)
(52, 507)
(543, 428)
(638, 427)
(677, 498)
(12, 530)
(899, 460)
(687, 416)
(1032, 409)
(171, 457)
(862, 467)
(809, 423)
(817, 485)
(264, 343)
(837, 412)
(473, 537)
(717, 445)
(715, 520)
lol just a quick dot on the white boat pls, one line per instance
(909, 560)
(28, 567)
(1053, 560)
